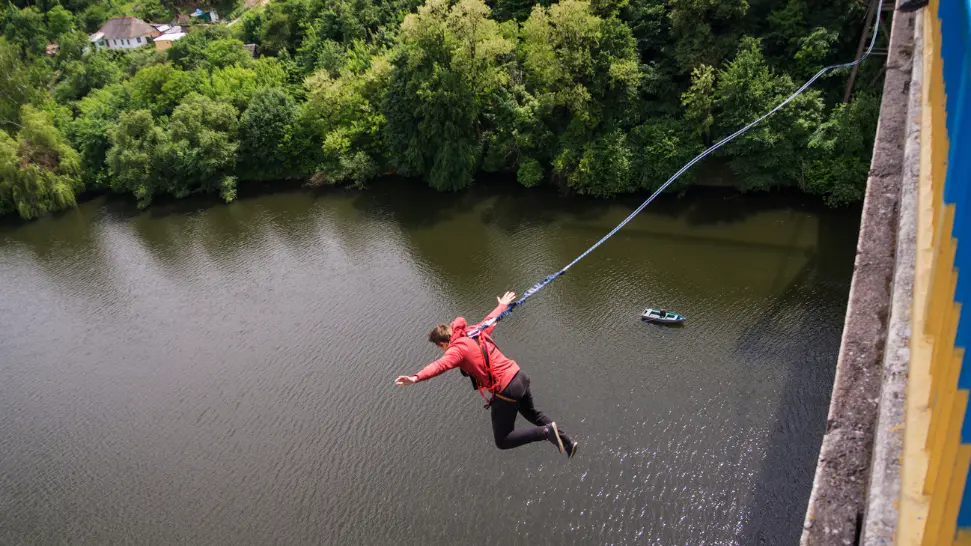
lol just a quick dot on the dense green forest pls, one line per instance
(597, 97)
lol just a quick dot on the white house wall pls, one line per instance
(127, 43)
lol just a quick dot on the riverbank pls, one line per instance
(715, 186)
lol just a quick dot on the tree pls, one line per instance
(81, 77)
(77, 6)
(605, 166)
(225, 7)
(516, 138)
(315, 52)
(152, 10)
(504, 10)
(651, 27)
(345, 121)
(530, 173)
(59, 21)
(132, 61)
(40, 172)
(160, 88)
(8, 173)
(199, 151)
(841, 149)
(195, 152)
(480, 52)
(238, 85)
(135, 140)
(584, 74)
(265, 129)
(558, 45)
(813, 52)
(21, 84)
(705, 31)
(224, 53)
(192, 51)
(93, 17)
(90, 132)
(453, 60)
(282, 25)
(698, 101)
(786, 26)
(71, 48)
(277, 32)
(347, 21)
(250, 26)
(25, 28)
(773, 152)
(660, 147)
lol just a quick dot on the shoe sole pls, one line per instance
(574, 450)
(559, 442)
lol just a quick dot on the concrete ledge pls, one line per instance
(837, 502)
(883, 497)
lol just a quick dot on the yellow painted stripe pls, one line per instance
(952, 502)
(944, 248)
(942, 499)
(942, 415)
(914, 505)
(945, 383)
(943, 360)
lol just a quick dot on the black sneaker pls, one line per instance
(553, 435)
(569, 445)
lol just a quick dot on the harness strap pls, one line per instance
(494, 384)
(506, 398)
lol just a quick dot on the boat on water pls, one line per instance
(660, 316)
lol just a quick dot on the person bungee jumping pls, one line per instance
(492, 372)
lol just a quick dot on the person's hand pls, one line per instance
(404, 380)
(506, 298)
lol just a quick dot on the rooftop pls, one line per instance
(170, 37)
(125, 27)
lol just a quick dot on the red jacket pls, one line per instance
(463, 352)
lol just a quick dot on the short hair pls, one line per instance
(441, 333)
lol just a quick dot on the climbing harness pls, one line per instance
(481, 341)
(474, 333)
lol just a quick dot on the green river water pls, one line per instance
(214, 374)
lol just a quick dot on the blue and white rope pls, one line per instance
(538, 286)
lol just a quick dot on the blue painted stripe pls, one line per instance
(955, 17)
(958, 191)
(964, 512)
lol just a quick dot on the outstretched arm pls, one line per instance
(504, 302)
(451, 359)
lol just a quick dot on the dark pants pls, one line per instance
(504, 415)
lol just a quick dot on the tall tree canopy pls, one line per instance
(597, 97)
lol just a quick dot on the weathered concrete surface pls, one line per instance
(883, 496)
(837, 503)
